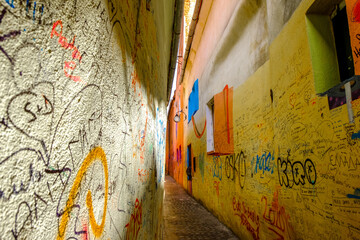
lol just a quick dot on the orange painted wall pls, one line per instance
(176, 154)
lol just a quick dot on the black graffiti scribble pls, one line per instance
(7, 36)
(36, 106)
(31, 104)
(112, 9)
(31, 110)
(96, 115)
(5, 122)
(18, 225)
(38, 199)
(22, 182)
(22, 187)
(60, 174)
(34, 11)
(296, 173)
(235, 167)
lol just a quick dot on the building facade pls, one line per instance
(268, 137)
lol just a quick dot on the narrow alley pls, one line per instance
(184, 218)
(179, 119)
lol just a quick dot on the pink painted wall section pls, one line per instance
(209, 30)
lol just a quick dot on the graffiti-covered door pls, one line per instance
(189, 169)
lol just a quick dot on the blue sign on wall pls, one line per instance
(193, 100)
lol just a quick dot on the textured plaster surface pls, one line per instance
(83, 118)
(294, 173)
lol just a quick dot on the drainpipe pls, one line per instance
(193, 24)
(178, 16)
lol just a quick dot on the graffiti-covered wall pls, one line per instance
(294, 170)
(83, 118)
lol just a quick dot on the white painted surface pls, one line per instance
(52, 117)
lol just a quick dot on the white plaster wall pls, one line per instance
(57, 121)
(242, 48)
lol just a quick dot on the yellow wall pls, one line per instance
(295, 173)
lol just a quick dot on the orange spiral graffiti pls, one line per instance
(198, 135)
(96, 153)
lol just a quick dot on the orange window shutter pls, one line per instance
(223, 122)
(353, 13)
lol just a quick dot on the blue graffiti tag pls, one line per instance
(217, 167)
(356, 194)
(10, 4)
(355, 135)
(265, 162)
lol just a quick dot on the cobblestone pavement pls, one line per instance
(184, 218)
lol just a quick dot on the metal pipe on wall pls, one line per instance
(178, 16)
(193, 24)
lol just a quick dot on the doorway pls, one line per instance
(189, 169)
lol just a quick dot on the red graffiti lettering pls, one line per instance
(85, 229)
(248, 217)
(143, 175)
(134, 225)
(64, 43)
(216, 186)
(277, 217)
(71, 66)
(356, 12)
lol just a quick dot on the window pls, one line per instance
(333, 53)
(219, 123)
(210, 126)
(178, 154)
(188, 160)
(342, 42)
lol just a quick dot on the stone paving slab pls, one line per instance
(186, 219)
